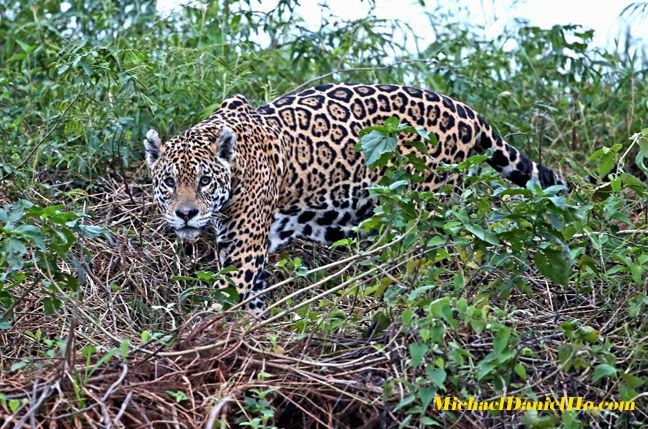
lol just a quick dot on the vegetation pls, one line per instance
(490, 291)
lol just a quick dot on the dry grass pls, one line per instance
(217, 360)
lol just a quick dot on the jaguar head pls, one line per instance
(192, 175)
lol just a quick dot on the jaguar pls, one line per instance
(289, 169)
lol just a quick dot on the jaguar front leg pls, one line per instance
(243, 244)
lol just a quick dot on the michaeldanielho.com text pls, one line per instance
(514, 403)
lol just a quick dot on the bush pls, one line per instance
(486, 291)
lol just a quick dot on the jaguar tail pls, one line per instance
(511, 163)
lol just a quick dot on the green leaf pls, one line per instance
(405, 402)
(416, 293)
(392, 123)
(553, 264)
(417, 352)
(407, 317)
(426, 394)
(501, 339)
(441, 308)
(631, 380)
(14, 405)
(603, 370)
(13, 245)
(18, 365)
(482, 234)
(33, 233)
(124, 345)
(606, 164)
(520, 371)
(533, 420)
(375, 144)
(178, 395)
(436, 376)
(566, 355)
(51, 305)
(570, 420)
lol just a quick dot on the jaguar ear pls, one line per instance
(153, 146)
(226, 146)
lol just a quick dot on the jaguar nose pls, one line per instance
(186, 213)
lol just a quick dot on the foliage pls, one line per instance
(505, 237)
(483, 291)
(34, 238)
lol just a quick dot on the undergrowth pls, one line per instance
(486, 291)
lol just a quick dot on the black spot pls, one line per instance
(355, 131)
(414, 92)
(234, 104)
(383, 103)
(546, 176)
(327, 218)
(308, 230)
(303, 118)
(432, 96)
(498, 160)
(388, 88)
(306, 92)
(447, 122)
(285, 234)
(291, 211)
(432, 113)
(372, 106)
(363, 211)
(447, 102)
(461, 111)
(266, 110)
(321, 125)
(248, 275)
(513, 153)
(284, 101)
(524, 165)
(338, 111)
(345, 219)
(339, 133)
(333, 234)
(312, 101)
(324, 87)
(288, 117)
(260, 260)
(364, 90)
(358, 109)
(485, 142)
(399, 100)
(306, 217)
(340, 93)
(519, 178)
(465, 132)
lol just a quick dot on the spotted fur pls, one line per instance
(289, 169)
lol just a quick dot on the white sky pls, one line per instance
(600, 15)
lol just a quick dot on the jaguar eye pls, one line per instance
(205, 180)
(169, 182)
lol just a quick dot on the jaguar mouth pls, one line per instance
(188, 232)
